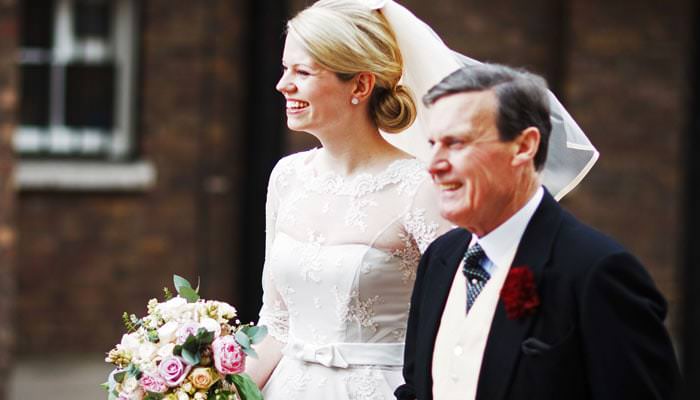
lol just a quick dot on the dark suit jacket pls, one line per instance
(597, 334)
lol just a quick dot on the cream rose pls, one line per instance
(203, 378)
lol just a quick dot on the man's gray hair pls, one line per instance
(522, 97)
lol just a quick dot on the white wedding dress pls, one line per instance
(340, 264)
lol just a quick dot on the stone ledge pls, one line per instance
(85, 175)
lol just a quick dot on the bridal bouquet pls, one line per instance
(185, 348)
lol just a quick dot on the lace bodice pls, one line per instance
(341, 254)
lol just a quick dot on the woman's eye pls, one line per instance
(303, 72)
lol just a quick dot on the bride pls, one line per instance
(347, 222)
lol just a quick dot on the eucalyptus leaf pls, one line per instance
(250, 352)
(243, 339)
(190, 357)
(246, 387)
(189, 294)
(256, 333)
(180, 283)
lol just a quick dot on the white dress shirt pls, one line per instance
(461, 337)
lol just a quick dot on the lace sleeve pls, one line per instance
(422, 220)
(273, 313)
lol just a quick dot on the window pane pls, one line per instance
(34, 97)
(36, 23)
(92, 19)
(90, 96)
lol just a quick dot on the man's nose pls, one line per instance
(438, 165)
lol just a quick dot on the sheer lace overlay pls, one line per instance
(340, 264)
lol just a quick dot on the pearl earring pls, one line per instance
(355, 101)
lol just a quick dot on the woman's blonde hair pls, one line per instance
(346, 37)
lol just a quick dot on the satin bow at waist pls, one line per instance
(342, 355)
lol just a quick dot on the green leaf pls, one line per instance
(134, 371)
(180, 283)
(204, 336)
(152, 336)
(119, 376)
(242, 339)
(177, 350)
(255, 333)
(246, 387)
(189, 294)
(105, 386)
(250, 352)
(190, 357)
(191, 344)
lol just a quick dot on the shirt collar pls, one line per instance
(500, 244)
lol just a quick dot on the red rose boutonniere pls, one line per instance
(519, 293)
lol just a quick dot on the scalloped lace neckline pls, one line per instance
(358, 184)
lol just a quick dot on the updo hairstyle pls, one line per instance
(346, 37)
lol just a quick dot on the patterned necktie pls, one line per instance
(475, 273)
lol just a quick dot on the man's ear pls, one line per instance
(364, 84)
(526, 145)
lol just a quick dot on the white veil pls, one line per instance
(427, 60)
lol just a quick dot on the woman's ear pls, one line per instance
(526, 146)
(363, 85)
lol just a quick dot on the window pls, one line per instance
(77, 64)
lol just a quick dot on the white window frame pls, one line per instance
(57, 140)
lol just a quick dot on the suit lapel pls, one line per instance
(505, 337)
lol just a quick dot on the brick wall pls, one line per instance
(8, 104)
(84, 258)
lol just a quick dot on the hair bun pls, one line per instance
(393, 110)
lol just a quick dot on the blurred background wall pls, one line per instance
(144, 132)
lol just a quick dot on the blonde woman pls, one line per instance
(347, 222)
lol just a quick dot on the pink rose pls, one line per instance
(185, 331)
(173, 370)
(153, 383)
(228, 355)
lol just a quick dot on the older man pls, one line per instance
(522, 301)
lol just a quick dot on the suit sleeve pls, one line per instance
(407, 391)
(628, 349)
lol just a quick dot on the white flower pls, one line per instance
(172, 308)
(182, 396)
(146, 351)
(166, 333)
(130, 384)
(166, 350)
(227, 311)
(211, 325)
(130, 342)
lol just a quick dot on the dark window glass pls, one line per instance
(92, 18)
(34, 101)
(90, 96)
(36, 23)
